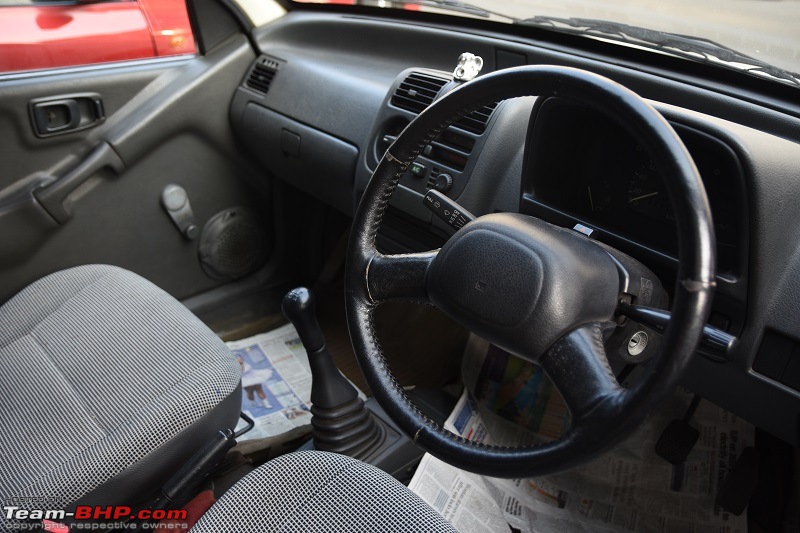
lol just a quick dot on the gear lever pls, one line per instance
(340, 422)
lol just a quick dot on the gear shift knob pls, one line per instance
(340, 422)
(329, 388)
(300, 306)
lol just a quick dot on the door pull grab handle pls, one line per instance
(53, 197)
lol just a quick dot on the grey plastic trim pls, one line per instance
(114, 65)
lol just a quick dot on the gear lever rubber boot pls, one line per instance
(340, 422)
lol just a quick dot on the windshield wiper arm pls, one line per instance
(460, 7)
(675, 44)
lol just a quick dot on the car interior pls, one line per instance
(394, 179)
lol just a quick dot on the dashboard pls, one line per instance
(330, 92)
(583, 164)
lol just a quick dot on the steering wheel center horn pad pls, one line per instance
(544, 293)
(522, 283)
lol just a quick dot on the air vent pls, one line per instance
(262, 74)
(476, 121)
(417, 92)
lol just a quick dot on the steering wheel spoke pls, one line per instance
(399, 277)
(578, 366)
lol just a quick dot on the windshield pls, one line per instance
(753, 35)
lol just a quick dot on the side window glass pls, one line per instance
(36, 34)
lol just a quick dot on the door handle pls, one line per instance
(52, 196)
(67, 113)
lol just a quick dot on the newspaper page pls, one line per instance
(629, 488)
(276, 382)
(465, 500)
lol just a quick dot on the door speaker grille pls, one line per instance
(233, 244)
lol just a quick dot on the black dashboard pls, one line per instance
(581, 167)
(330, 92)
(584, 165)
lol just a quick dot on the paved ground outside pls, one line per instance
(765, 29)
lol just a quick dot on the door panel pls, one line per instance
(166, 122)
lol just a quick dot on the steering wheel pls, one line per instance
(544, 293)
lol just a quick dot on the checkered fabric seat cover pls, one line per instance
(319, 491)
(99, 369)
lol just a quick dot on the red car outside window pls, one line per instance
(59, 35)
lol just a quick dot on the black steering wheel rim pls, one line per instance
(613, 413)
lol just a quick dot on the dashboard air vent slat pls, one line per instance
(476, 121)
(261, 77)
(417, 92)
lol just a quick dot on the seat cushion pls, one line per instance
(100, 368)
(319, 491)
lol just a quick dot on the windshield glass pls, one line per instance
(759, 36)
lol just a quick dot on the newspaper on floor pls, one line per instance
(276, 382)
(629, 488)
